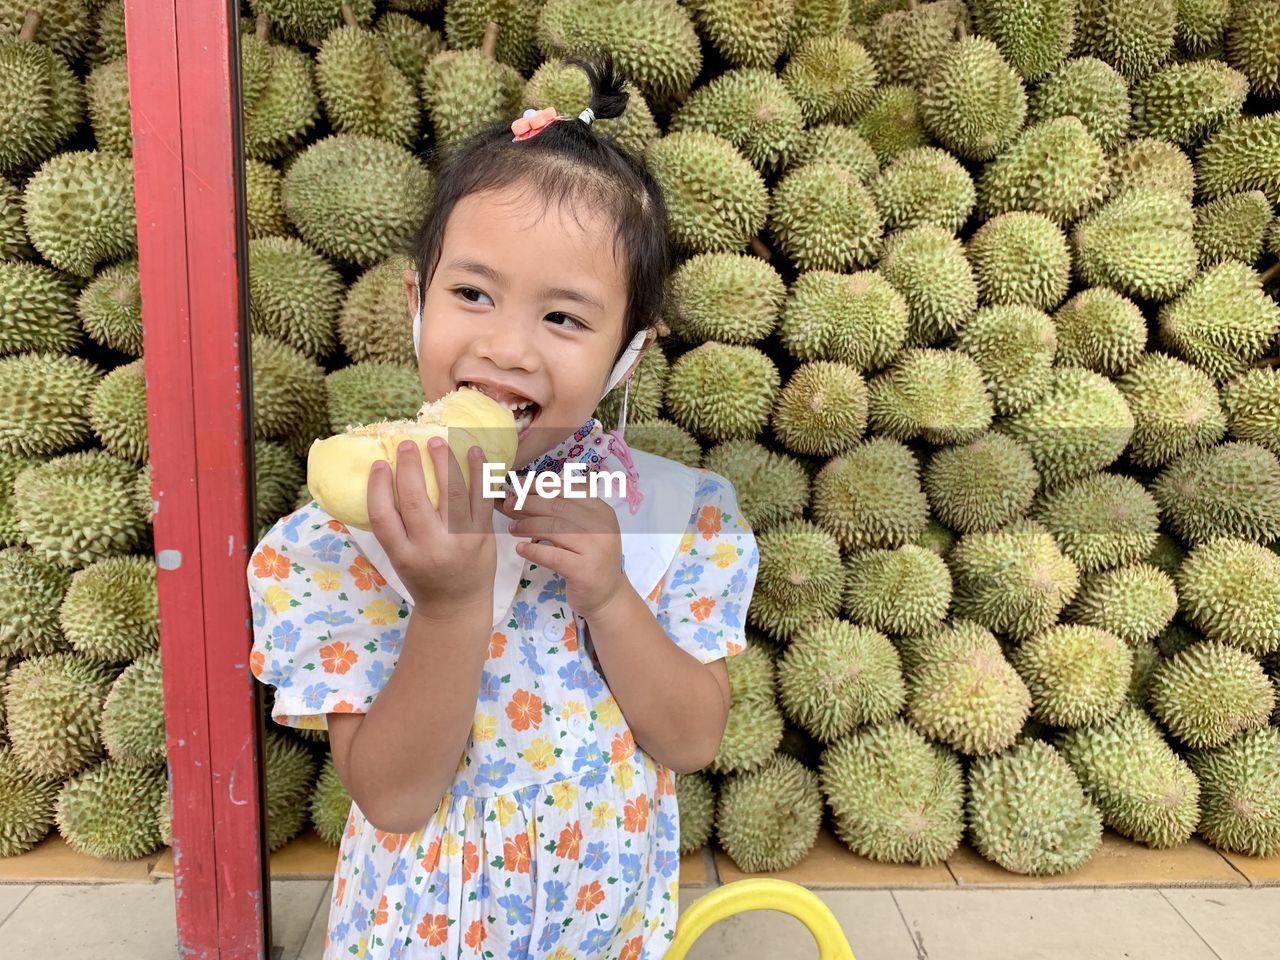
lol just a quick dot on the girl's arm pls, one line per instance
(398, 760)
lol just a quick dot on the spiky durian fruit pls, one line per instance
(279, 100)
(936, 539)
(64, 24)
(277, 474)
(664, 439)
(289, 771)
(1143, 789)
(374, 322)
(838, 144)
(1014, 346)
(1176, 638)
(1223, 321)
(310, 21)
(133, 713)
(1077, 675)
(13, 235)
(53, 704)
(463, 90)
(746, 33)
(1091, 91)
(1034, 37)
(79, 507)
(753, 110)
(288, 387)
(354, 198)
(1200, 26)
(1242, 154)
(730, 297)
(1175, 409)
(1182, 102)
(647, 387)
(1208, 693)
(924, 185)
(654, 44)
(963, 692)
(110, 612)
(97, 810)
(118, 412)
(928, 266)
(39, 309)
(896, 797)
(906, 42)
(1020, 258)
(30, 590)
(1231, 490)
(857, 319)
(79, 210)
(1230, 590)
(1166, 555)
(768, 819)
(42, 101)
(44, 402)
(107, 95)
(973, 102)
(1055, 168)
(110, 308)
(1080, 424)
(330, 805)
(1100, 521)
(871, 496)
(1240, 793)
(771, 487)
(831, 78)
(1146, 657)
(465, 22)
(1013, 581)
(836, 676)
(566, 87)
(26, 806)
(1028, 813)
(696, 802)
(1133, 37)
(822, 410)
(1232, 228)
(893, 121)
(823, 218)
(10, 467)
(1135, 602)
(366, 392)
(902, 591)
(263, 208)
(939, 395)
(1148, 164)
(754, 726)
(1140, 243)
(800, 578)
(410, 44)
(362, 90)
(981, 485)
(1100, 330)
(1252, 405)
(722, 392)
(716, 200)
(1253, 45)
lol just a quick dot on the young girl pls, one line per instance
(509, 693)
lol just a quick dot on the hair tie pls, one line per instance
(533, 122)
(587, 115)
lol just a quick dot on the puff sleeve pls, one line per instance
(327, 630)
(705, 592)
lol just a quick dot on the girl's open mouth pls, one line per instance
(522, 408)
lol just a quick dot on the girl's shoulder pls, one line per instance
(710, 489)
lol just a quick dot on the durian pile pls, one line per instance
(975, 305)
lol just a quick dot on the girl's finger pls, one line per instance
(557, 529)
(411, 484)
(384, 518)
(556, 559)
(481, 506)
(454, 506)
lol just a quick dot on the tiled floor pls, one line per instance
(135, 921)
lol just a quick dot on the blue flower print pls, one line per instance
(689, 573)
(595, 941)
(490, 686)
(555, 895)
(666, 862)
(577, 677)
(259, 613)
(368, 878)
(519, 909)
(482, 886)
(378, 674)
(285, 636)
(554, 590)
(440, 880)
(328, 549)
(666, 829)
(340, 931)
(291, 525)
(706, 639)
(313, 696)
(335, 618)
(519, 949)
(707, 487)
(738, 582)
(525, 615)
(529, 657)
(398, 873)
(630, 864)
(596, 857)
(594, 778)
(391, 641)
(550, 936)
(731, 614)
(361, 921)
(495, 771)
(411, 896)
(588, 755)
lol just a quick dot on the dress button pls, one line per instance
(577, 723)
(554, 630)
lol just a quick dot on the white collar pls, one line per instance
(650, 536)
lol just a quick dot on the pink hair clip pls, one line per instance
(533, 122)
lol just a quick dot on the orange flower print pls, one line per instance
(391, 842)
(631, 949)
(656, 592)
(337, 526)
(709, 522)
(475, 934)
(624, 745)
(515, 854)
(256, 660)
(525, 710)
(570, 841)
(570, 637)
(733, 647)
(342, 886)
(701, 608)
(366, 574)
(635, 816)
(431, 859)
(269, 565)
(337, 657)
(380, 916)
(344, 706)
(590, 896)
(434, 929)
(664, 787)
(497, 643)
(470, 861)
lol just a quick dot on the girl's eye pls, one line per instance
(576, 323)
(463, 291)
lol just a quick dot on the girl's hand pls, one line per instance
(578, 539)
(446, 556)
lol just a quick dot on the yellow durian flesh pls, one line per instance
(338, 467)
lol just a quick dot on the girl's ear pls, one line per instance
(650, 335)
(411, 291)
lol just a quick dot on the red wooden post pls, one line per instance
(191, 248)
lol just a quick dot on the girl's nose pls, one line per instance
(507, 343)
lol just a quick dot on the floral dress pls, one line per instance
(559, 837)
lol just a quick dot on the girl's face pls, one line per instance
(527, 307)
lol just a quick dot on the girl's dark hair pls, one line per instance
(567, 162)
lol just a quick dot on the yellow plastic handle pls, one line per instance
(762, 894)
